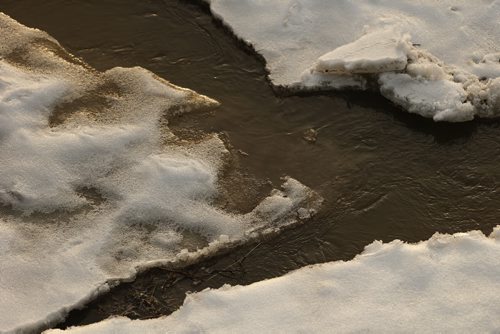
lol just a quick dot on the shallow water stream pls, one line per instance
(384, 174)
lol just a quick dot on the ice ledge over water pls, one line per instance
(408, 76)
(447, 284)
(319, 45)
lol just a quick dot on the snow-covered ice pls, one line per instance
(447, 284)
(310, 44)
(94, 186)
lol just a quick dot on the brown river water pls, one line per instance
(384, 174)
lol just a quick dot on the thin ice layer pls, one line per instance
(328, 44)
(94, 186)
(447, 284)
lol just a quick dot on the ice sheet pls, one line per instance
(319, 44)
(447, 284)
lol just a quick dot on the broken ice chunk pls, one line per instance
(376, 52)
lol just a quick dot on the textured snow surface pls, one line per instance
(447, 284)
(94, 186)
(311, 44)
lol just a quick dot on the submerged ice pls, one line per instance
(436, 59)
(447, 284)
(94, 186)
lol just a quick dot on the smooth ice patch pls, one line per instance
(94, 187)
(447, 284)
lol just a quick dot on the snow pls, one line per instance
(339, 44)
(487, 67)
(447, 284)
(94, 187)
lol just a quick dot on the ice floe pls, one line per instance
(95, 187)
(342, 44)
(447, 284)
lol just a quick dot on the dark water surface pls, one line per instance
(384, 174)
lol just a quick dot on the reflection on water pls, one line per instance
(384, 174)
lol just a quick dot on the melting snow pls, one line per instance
(94, 186)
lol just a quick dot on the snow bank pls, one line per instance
(94, 186)
(458, 39)
(447, 284)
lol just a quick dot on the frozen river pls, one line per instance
(384, 174)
